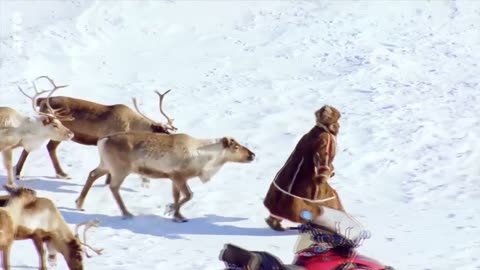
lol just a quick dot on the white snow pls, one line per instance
(405, 76)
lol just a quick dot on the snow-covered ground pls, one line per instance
(405, 75)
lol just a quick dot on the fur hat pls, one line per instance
(328, 116)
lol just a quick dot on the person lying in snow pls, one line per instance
(302, 182)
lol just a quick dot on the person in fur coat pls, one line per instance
(302, 182)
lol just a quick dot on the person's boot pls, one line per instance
(275, 223)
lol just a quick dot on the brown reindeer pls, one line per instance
(10, 216)
(93, 121)
(178, 157)
(17, 130)
(41, 222)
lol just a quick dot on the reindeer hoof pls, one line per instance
(17, 172)
(127, 216)
(63, 175)
(52, 260)
(169, 209)
(180, 219)
(11, 185)
(79, 205)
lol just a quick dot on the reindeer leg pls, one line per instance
(176, 198)
(187, 193)
(21, 161)
(52, 254)
(108, 179)
(92, 176)
(52, 151)
(41, 252)
(115, 183)
(6, 258)
(7, 161)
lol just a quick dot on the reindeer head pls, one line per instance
(157, 127)
(27, 195)
(50, 124)
(73, 255)
(236, 152)
(53, 128)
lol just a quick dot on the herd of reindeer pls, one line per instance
(128, 142)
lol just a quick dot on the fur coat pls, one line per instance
(305, 175)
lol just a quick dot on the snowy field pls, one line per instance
(405, 76)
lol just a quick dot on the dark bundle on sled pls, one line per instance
(237, 258)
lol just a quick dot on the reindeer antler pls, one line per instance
(169, 125)
(139, 112)
(53, 112)
(88, 224)
(34, 97)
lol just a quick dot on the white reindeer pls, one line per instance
(18, 130)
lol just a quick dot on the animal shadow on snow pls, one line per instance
(36, 183)
(54, 184)
(165, 227)
(23, 267)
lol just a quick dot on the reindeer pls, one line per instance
(93, 121)
(17, 130)
(41, 222)
(10, 216)
(178, 157)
